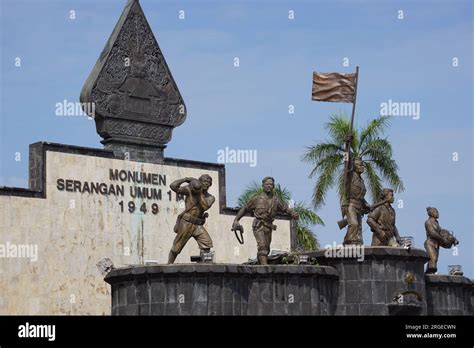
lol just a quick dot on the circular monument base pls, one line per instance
(223, 289)
(378, 280)
(449, 295)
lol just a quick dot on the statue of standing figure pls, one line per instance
(190, 222)
(382, 221)
(356, 206)
(436, 237)
(264, 206)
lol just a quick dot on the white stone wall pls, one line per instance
(73, 231)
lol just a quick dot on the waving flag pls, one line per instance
(334, 87)
(339, 88)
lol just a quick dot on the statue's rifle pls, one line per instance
(343, 223)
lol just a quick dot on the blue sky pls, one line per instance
(408, 60)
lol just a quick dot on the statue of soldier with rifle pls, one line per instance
(355, 205)
(342, 88)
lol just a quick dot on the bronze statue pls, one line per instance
(382, 221)
(355, 205)
(264, 206)
(190, 222)
(436, 237)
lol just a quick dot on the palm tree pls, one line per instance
(305, 237)
(375, 151)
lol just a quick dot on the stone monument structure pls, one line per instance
(111, 208)
(137, 102)
(85, 204)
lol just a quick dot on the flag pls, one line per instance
(334, 87)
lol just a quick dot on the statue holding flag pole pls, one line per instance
(342, 88)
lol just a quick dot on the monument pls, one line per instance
(116, 209)
(137, 102)
(86, 204)
(386, 278)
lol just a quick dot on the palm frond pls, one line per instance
(373, 181)
(341, 185)
(338, 128)
(326, 179)
(373, 129)
(317, 152)
(378, 147)
(375, 151)
(282, 193)
(250, 191)
(306, 239)
(306, 215)
(388, 169)
(327, 162)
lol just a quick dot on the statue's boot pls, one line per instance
(172, 257)
(262, 259)
(205, 251)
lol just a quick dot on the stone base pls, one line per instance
(372, 285)
(221, 289)
(133, 152)
(449, 295)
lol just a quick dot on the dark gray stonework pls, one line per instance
(369, 287)
(449, 295)
(338, 286)
(222, 289)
